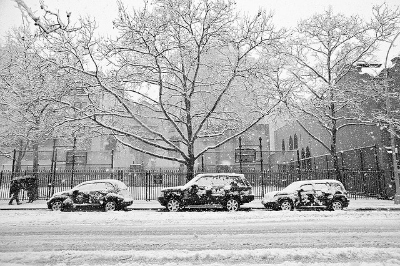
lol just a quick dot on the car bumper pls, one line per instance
(126, 202)
(346, 203)
(270, 204)
(247, 198)
(162, 201)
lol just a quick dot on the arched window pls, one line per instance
(295, 142)
(283, 145)
(290, 143)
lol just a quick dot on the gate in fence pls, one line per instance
(146, 185)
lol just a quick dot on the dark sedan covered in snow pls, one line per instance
(107, 194)
(327, 193)
(227, 190)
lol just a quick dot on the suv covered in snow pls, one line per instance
(108, 194)
(207, 191)
(329, 194)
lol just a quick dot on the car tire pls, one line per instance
(232, 205)
(173, 205)
(110, 206)
(336, 205)
(57, 205)
(286, 205)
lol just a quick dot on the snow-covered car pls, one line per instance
(108, 194)
(214, 190)
(327, 193)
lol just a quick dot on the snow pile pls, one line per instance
(306, 256)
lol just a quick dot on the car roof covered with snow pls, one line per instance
(112, 181)
(317, 181)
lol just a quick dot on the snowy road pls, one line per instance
(219, 238)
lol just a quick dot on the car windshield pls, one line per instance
(293, 186)
(125, 193)
(191, 182)
(121, 186)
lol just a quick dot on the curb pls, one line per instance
(162, 208)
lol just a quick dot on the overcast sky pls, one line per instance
(286, 12)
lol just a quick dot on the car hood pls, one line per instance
(178, 188)
(65, 192)
(277, 192)
(271, 194)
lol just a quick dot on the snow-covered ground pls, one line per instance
(41, 237)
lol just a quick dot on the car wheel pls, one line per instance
(110, 206)
(173, 205)
(232, 205)
(286, 205)
(56, 205)
(336, 205)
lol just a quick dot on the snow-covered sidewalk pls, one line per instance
(358, 204)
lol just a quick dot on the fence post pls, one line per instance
(146, 184)
(379, 176)
(298, 165)
(327, 166)
(261, 168)
(240, 154)
(54, 172)
(73, 163)
(112, 159)
(13, 164)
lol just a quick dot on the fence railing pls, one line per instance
(146, 185)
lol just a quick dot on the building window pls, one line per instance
(283, 145)
(290, 143)
(295, 142)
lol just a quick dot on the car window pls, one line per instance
(337, 186)
(220, 180)
(293, 186)
(205, 181)
(102, 187)
(321, 186)
(86, 187)
(241, 181)
(307, 187)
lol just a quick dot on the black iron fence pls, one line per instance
(146, 185)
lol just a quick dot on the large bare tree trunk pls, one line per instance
(19, 156)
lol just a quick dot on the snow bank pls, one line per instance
(306, 256)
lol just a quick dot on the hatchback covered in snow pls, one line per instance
(209, 191)
(329, 194)
(108, 194)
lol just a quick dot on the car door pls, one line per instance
(322, 193)
(99, 191)
(306, 194)
(203, 190)
(80, 196)
(217, 190)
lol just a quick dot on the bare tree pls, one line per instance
(326, 48)
(199, 61)
(30, 91)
